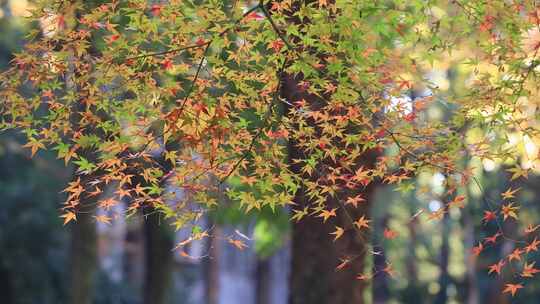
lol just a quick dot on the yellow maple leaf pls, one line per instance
(508, 194)
(509, 210)
(338, 233)
(326, 214)
(512, 288)
(102, 219)
(68, 217)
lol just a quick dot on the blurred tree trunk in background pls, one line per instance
(381, 290)
(6, 289)
(263, 279)
(83, 258)
(159, 242)
(473, 292)
(211, 266)
(444, 277)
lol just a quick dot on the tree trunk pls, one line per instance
(212, 267)
(314, 278)
(444, 277)
(381, 290)
(263, 278)
(473, 293)
(159, 243)
(83, 259)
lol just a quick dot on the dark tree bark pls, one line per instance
(314, 278)
(263, 281)
(83, 259)
(444, 277)
(381, 290)
(212, 268)
(159, 243)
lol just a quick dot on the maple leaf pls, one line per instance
(362, 222)
(509, 210)
(338, 233)
(276, 45)
(492, 239)
(390, 234)
(355, 200)
(531, 229)
(363, 277)
(512, 288)
(437, 215)
(34, 146)
(343, 264)
(457, 202)
(48, 93)
(515, 255)
(533, 246)
(61, 21)
(102, 219)
(389, 270)
(476, 250)
(529, 271)
(156, 9)
(489, 216)
(237, 243)
(254, 16)
(496, 267)
(112, 38)
(68, 217)
(518, 172)
(410, 117)
(167, 64)
(326, 214)
(123, 192)
(508, 194)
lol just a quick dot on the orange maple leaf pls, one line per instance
(533, 246)
(238, 244)
(362, 222)
(344, 262)
(68, 217)
(326, 214)
(515, 255)
(355, 200)
(390, 234)
(338, 233)
(529, 271)
(512, 288)
(476, 250)
(531, 229)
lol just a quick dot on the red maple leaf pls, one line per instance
(167, 64)
(489, 216)
(496, 267)
(476, 250)
(156, 9)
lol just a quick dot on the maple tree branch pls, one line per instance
(200, 45)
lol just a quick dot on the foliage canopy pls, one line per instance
(189, 93)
